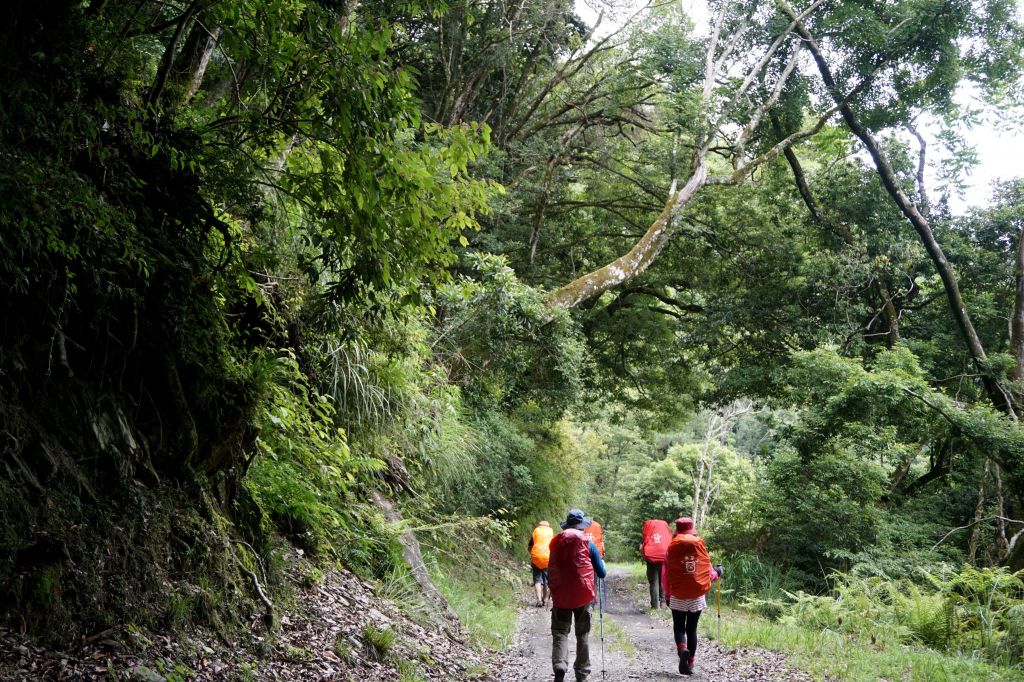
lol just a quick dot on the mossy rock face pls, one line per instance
(90, 566)
(37, 596)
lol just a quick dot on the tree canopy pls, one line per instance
(485, 259)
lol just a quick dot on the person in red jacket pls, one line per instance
(686, 579)
(652, 549)
(573, 564)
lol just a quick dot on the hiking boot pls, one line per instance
(559, 676)
(692, 665)
(684, 662)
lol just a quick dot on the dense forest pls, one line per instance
(340, 277)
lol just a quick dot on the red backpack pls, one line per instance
(570, 572)
(656, 539)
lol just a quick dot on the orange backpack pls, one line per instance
(688, 566)
(540, 553)
(596, 535)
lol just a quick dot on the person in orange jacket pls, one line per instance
(596, 535)
(540, 554)
(686, 578)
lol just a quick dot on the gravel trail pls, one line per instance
(637, 646)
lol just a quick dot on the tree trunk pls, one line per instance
(1017, 321)
(186, 75)
(167, 60)
(414, 560)
(979, 509)
(892, 316)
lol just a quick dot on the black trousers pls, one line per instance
(654, 582)
(684, 627)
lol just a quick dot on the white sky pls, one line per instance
(999, 147)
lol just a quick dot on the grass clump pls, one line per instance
(179, 609)
(477, 671)
(619, 638)
(344, 651)
(408, 671)
(378, 641)
(399, 587)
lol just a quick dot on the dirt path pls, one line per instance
(637, 646)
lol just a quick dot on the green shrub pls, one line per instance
(757, 584)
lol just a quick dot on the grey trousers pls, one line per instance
(561, 623)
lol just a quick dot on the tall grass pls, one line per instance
(484, 597)
(832, 654)
(757, 584)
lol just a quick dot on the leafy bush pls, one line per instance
(304, 475)
(987, 611)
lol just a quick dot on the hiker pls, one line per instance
(687, 577)
(656, 538)
(573, 565)
(539, 547)
(596, 535)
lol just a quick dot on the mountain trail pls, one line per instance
(637, 646)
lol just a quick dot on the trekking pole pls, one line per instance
(601, 596)
(719, 599)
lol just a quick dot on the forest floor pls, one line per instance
(637, 645)
(336, 628)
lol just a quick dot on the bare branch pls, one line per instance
(769, 53)
(744, 170)
(990, 518)
(922, 195)
(639, 258)
(758, 114)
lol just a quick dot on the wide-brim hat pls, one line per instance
(576, 519)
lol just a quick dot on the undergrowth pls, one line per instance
(959, 626)
(838, 655)
(481, 585)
